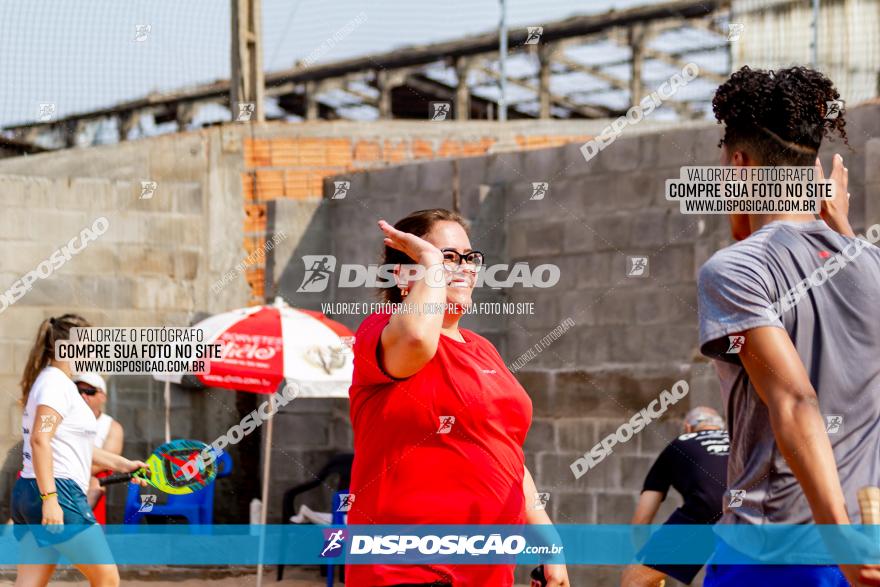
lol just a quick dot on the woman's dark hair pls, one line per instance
(778, 117)
(418, 223)
(51, 330)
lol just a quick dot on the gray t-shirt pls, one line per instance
(835, 328)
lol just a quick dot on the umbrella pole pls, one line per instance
(267, 455)
(167, 411)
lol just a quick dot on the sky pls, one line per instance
(84, 54)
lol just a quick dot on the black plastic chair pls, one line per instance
(339, 465)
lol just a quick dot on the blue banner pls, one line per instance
(527, 545)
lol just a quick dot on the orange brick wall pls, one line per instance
(295, 167)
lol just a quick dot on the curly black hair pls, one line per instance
(777, 117)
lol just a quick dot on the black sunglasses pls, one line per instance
(86, 389)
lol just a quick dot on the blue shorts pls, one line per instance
(661, 544)
(27, 511)
(758, 575)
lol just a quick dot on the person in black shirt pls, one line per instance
(695, 464)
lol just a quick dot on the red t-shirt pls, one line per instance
(414, 465)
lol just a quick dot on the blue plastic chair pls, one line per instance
(339, 466)
(196, 508)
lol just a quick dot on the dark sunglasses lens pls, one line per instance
(87, 390)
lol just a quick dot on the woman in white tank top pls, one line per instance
(49, 506)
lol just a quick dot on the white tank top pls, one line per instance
(103, 430)
(74, 437)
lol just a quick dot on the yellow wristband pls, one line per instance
(45, 496)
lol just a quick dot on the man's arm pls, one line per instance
(781, 381)
(113, 444)
(779, 376)
(646, 509)
(637, 575)
(114, 440)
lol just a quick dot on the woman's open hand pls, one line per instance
(412, 246)
(836, 212)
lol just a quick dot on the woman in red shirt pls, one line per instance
(439, 421)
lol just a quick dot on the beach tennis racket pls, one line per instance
(174, 468)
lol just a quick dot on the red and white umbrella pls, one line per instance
(265, 345)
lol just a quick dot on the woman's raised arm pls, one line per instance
(411, 338)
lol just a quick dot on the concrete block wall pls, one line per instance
(148, 269)
(295, 167)
(284, 162)
(157, 267)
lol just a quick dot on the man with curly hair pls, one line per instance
(785, 375)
